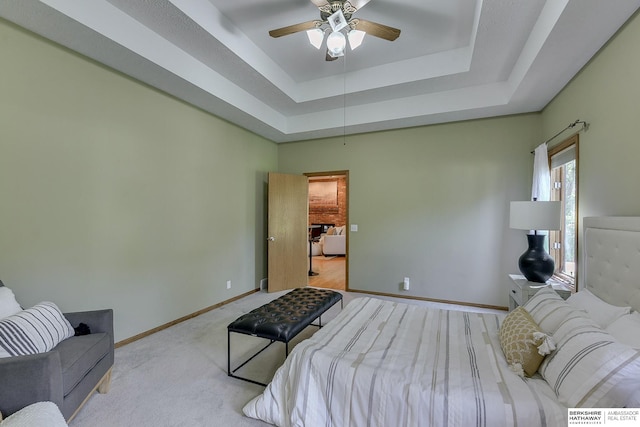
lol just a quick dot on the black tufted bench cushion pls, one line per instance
(283, 318)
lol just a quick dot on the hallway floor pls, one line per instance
(332, 272)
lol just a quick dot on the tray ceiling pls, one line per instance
(454, 60)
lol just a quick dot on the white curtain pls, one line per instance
(541, 187)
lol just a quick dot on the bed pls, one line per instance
(381, 363)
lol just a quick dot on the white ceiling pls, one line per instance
(454, 60)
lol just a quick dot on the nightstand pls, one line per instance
(521, 290)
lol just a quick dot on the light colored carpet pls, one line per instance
(178, 376)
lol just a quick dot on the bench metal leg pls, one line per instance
(319, 325)
(231, 373)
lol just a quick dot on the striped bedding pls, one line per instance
(381, 363)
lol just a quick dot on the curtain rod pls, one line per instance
(585, 127)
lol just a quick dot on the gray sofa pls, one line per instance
(66, 375)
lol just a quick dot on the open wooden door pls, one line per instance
(288, 232)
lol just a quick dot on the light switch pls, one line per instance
(354, 227)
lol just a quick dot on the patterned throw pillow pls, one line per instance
(34, 330)
(523, 342)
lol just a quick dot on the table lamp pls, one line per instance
(535, 263)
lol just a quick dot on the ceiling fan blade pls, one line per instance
(377, 30)
(285, 31)
(328, 57)
(358, 4)
(319, 3)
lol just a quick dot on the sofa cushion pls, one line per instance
(334, 245)
(78, 355)
(35, 330)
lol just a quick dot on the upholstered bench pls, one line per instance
(281, 320)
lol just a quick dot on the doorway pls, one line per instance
(328, 224)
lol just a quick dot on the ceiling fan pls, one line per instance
(336, 15)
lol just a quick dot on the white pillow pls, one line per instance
(600, 311)
(626, 329)
(35, 330)
(549, 310)
(37, 414)
(8, 303)
(589, 367)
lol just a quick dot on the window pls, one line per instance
(563, 244)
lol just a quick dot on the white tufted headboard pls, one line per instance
(612, 259)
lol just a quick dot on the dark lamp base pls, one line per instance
(535, 264)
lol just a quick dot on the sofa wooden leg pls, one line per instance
(102, 387)
(105, 383)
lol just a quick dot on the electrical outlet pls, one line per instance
(405, 284)
(228, 284)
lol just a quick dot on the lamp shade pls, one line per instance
(535, 215)
(355, 38)
(316, 36)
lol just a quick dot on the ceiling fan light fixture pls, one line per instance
(355, 38)
(336, 43)
(316, 36)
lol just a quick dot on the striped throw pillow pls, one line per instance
(34, 330)
(589, 367)
(549, 310)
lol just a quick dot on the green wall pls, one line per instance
(432, 204)
(117, 195)
(606, 94)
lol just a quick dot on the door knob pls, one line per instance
(271, 239)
